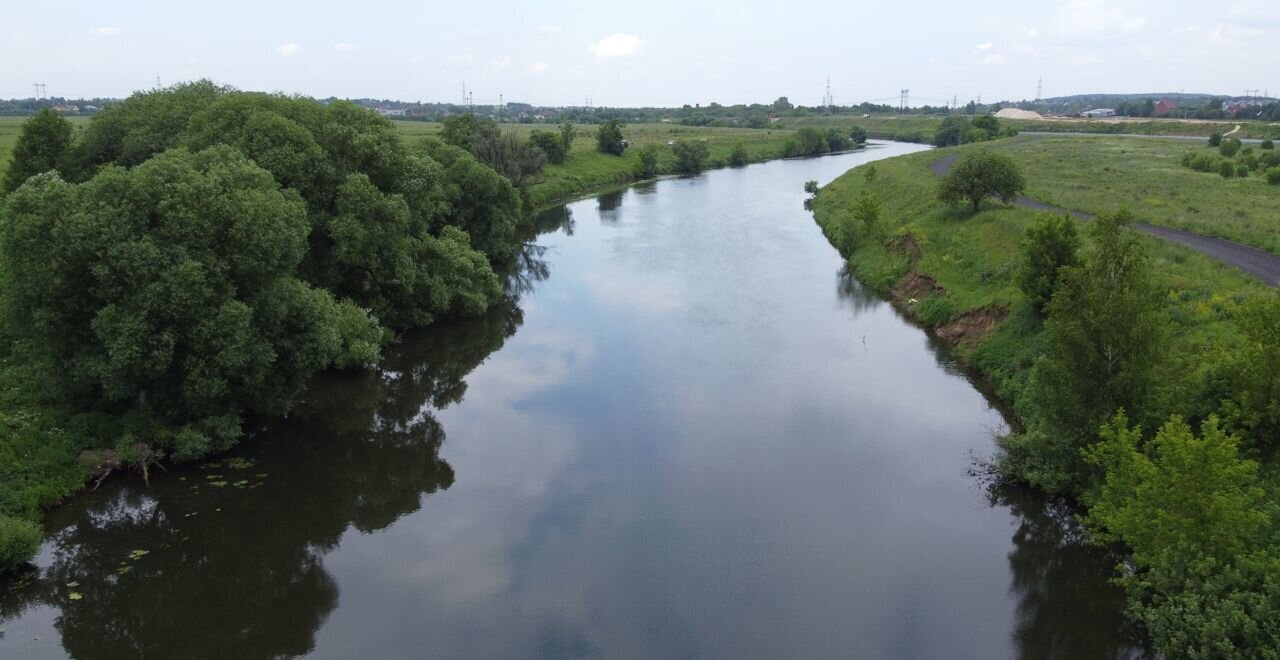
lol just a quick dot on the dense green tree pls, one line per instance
(988, 124)
(649, 161)
(480, 201)
(1254, 406)
(609, 138)
(1051, 244)
(858, 134)
(974, 135)
(1197, 520)
(146, 124)
(691, 155)
(1267, 145)
(838, 141)
(1104, 338)
(738, 157)
(981, 174)
(1229, 147)
(808, 141)
(551, 145)
(459, 130)
(165, 297)
(1215, 139)
(951, 132)
(782, 104)
(43, 145)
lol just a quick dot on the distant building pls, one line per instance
(1166, 107)
(773, 117)
(392, 112)
(1100, 112)
(66, 108)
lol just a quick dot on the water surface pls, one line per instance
(689, 434)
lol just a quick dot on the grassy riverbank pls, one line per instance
(955, 274)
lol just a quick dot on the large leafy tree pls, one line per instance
(1052, 244)
(609, 138)
(980, 175)
(165, 297)
(43, 145)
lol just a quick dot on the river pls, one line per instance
(689, 434)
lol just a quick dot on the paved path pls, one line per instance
(1259, 263)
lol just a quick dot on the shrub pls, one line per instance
(1226, 169)
(648, 161)
(738, 157)
(550, 143)
(1273, 176)
(691, 155)
(1052, 244)
(1267, 145)
(1215, 139)
(1242, 170)
(609, 138)
(838, 141)
(19, 541)
(1229, 148)
(936, 311)
(858, 134)
(1204, 163)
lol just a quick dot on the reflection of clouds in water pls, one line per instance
(652, 294)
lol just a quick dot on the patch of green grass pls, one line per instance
(1104, 174)
(883, 126)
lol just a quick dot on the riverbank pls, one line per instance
(955, 274)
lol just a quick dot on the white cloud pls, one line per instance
(538, 67)
(344, 47)
(1256, 12)
(417, 59)
(985, 46)
(617, 45)
(1023, 48)
(1082, 18)
(1084, 60)
(288, 50)
(547, 30)
(1233, 35)
(105, 31)
(457, 59)
(501, 63)
(1033, 33)
(995, 58)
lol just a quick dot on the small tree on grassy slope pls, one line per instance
(979, 175)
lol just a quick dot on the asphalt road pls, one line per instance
(1259, 263)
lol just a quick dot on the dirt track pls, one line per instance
(1262, 265)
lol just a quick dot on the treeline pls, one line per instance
(810, 141)
(198, 253)
(956, 130)
(1229, 158)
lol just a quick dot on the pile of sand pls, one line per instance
(1014, 113)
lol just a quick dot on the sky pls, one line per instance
(655, 53)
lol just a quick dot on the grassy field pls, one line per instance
(885, 126)
(1103, 174)
(585, 170)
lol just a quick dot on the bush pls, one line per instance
(738, 157)
(19, 541)
(609, 138)
(649, 161)
(1242, 170)
(838, 141)
(858, 134)
(936, 311)
(1226, 169)
(1229, 148)
(1267, 145)
(1215, 139)
(1205, 163)
(551, 144)
(1273, 176)
(691, 155)
(1052, 244)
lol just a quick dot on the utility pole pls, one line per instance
(902, 102)
(158, 80)
(1040, 88)
(500, 104)
(955, 101)
(826, 98)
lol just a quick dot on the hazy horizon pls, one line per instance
(666, 54)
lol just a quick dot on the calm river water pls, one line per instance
(689, 435)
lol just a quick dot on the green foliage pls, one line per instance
(1273, 176)
(481, 201)
(1052, 244)
(19, 541)
(1267, 145)
(807, 142)
(567, 133)
(1226, 169)
(609, 138)
(171, 289)
(1105, 332)
(1229, 147)
(507, 153)
(974, 135)
(691, 155)
(1195, 516)
(951, 132)
(460, 130)
(838, 141)
(1254, 407)
(811, 187)
(866, 211)
(551, 144)
(1215, 139)
(981, 174)
(738, 157)
(936, 311)
(858, 134)
(649, 161)
(44, 145)
(146, 124)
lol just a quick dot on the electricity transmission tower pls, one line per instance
(40, 89)
(826, 98)
(902, 102)
(1040, 88)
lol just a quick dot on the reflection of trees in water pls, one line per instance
(1067, 606)
(553, 219)
(237, 572)
(854, 293)
(609, 201)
